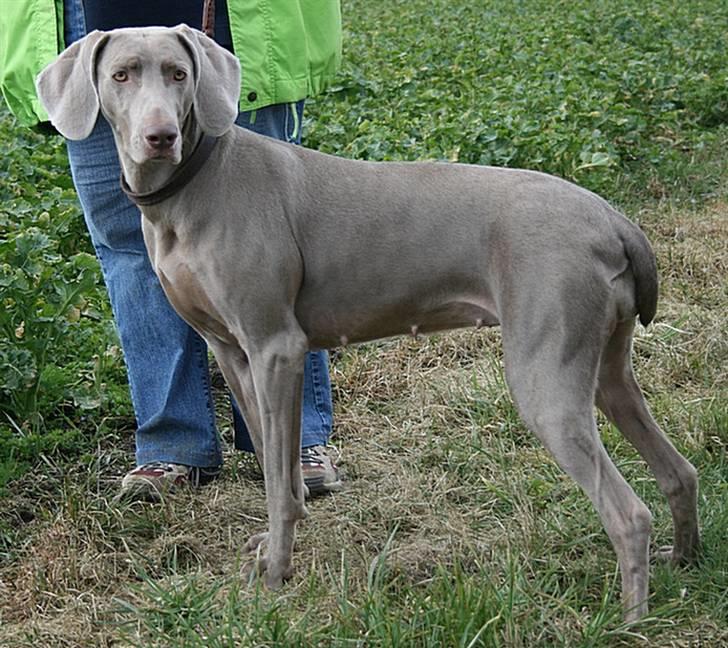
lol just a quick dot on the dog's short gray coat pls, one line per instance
(272, 250)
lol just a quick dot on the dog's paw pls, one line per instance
(262, 568)
(670, 554)
(665, 554)
(253, 570)
(255, 542)
(274, 579)
(674, 556)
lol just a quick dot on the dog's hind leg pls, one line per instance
(554, 395)
(620, 398)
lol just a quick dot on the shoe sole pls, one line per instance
(317, 486)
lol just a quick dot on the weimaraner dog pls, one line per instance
(269, 250)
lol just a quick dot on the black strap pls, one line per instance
(181, 177)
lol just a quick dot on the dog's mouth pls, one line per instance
(167, 156)
(150, 155)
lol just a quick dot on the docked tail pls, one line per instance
(644, 268)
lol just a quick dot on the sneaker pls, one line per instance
(319, 472)
(151, 481)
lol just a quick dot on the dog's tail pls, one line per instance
(644, 268)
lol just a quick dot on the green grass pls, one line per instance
(455, 527)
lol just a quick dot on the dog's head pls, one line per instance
(145, 82)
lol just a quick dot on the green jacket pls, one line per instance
(288, 49)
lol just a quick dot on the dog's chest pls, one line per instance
(182, 283)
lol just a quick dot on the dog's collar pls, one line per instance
(181, 176)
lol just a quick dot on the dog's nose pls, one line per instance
(161, 137)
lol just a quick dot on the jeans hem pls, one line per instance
(196, 460)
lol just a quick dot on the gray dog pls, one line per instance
(269, 250)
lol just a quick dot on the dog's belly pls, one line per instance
(331, 328)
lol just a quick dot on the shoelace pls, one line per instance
(194, 475)
(162, 465)
(310, 457)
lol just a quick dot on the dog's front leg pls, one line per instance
(277, 371)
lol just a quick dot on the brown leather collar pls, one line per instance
(181, 177)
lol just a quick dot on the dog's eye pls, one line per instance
(121, 76)
(179, 75)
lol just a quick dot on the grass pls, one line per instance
(455, 528)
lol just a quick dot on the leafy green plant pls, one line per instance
(57, 343)
(43, 295)
(621, 97)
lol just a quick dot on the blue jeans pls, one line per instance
(166, 360)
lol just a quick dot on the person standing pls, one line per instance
(289, 50)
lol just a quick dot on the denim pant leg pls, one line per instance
(166, 360)
(283, 121)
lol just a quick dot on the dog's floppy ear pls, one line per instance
(217, 79)
(67, 87)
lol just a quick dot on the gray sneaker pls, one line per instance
(151, 481)
(319, 471)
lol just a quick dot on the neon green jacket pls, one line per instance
(288, 49)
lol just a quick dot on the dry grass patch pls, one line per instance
(452, 514)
